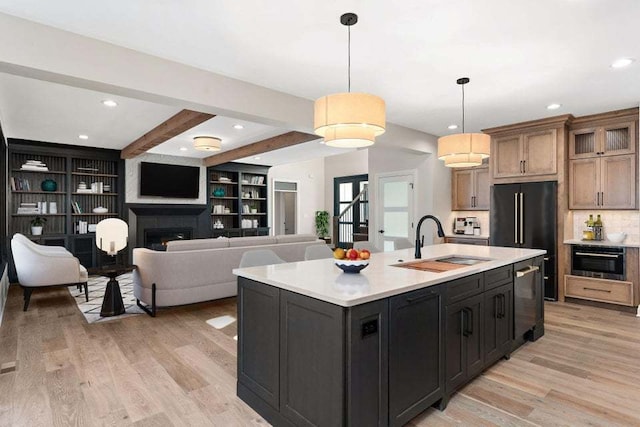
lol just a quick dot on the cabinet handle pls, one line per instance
(602, 198)
(467, 323)
(496, 306)
(521, 218)
(515, 218)
(525, 271)
(420, 298)
(524, 166)
(503, 305)
(598, 290)
(520, 166)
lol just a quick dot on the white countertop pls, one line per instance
(323, 280)
(601, 243)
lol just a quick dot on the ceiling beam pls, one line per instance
(181, 122)
(281, 141)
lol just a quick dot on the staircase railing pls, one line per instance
(343, 233)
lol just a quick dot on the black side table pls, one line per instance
(112, 304)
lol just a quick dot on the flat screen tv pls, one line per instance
(161, 180)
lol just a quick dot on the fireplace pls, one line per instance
(157, 238)
(151, 224)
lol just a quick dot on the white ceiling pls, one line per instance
(520, 56)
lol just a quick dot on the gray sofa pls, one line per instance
(201, 269)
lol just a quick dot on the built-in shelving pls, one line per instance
(238, 199)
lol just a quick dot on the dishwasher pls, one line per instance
(528, 304)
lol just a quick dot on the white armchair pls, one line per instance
(40, 266)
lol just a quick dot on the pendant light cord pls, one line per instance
(462, 108)
(349, 56)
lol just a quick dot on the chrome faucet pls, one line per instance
(420, 242)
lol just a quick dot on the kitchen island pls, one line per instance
(320, 347)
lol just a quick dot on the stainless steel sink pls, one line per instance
(463, 260)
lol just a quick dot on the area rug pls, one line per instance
(97, 285)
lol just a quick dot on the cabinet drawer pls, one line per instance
(498, 277)
(459, 289)
(467, 241)
(603, 290)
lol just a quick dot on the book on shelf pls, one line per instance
(34, 165)
(82, 227)
(76, 207)
(19, 184)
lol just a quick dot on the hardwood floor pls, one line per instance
(55, 369)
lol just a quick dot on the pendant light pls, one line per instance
(463, 150)
(207, 143)
(349, 120)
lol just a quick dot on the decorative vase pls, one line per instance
(218, 192)
(36, 230)
(49, 185)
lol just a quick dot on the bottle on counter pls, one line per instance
(597, 228)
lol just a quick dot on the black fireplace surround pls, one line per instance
(151, 224)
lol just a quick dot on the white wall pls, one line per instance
(311, 191)
(401, 149)
(132, 181)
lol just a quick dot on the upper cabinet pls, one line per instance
(602, 165)
(528, 151)
(525, 154)
(609, 140)
(470, 189)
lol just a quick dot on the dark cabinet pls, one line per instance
(311, 361)
(464, 341)
(498, 323)
(416, 379)
(258, 315)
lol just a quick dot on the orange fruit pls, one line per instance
(339, 253)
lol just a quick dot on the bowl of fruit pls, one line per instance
(351, 260)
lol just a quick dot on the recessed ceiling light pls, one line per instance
(183, 148)
(622, 62)
(256, 158)
(553, 106)
(82, 136)
(452, 127)
(238, 127)
(109, 103)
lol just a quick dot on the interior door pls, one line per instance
(395, 210)
(290, 213)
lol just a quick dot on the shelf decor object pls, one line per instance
(49, 185)
(349, 120)
(37, 224)
(207, 143)
(463, 150)
(219, 192)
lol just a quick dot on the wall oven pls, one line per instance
(602, 262)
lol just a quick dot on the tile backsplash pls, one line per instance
(613, 222)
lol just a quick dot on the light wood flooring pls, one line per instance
(176, 370)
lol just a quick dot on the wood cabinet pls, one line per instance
(467, 241)
(415, 353)
(606, 140)
(603, 161)
(602, 290)
(238, 199)
(525, 154)
(606, 182)
(470, 189)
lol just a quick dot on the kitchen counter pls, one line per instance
(601, 243)
(317, 346)
(322, 280)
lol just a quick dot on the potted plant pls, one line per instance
(36, 225)
(322, 224)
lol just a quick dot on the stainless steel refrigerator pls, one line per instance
(524, 216)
